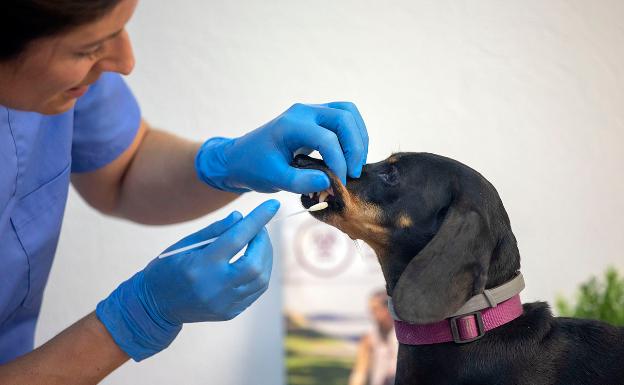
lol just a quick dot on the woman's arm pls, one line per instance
(154, 182)
(84, 353)
(359, 374)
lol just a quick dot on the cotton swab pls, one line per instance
(186, 248)
(316, 207)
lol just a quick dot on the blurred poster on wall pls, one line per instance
(328, 281)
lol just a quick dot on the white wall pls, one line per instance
(528, 92)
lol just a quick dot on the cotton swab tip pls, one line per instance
(319, 206)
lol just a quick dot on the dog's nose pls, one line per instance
(304, 161)
(299, 161)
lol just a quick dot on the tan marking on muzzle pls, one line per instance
(360, 220)
(404, 221)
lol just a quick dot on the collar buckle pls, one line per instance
(455, 328)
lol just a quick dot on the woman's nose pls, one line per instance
(120, 57)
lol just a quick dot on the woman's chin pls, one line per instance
(57, 105)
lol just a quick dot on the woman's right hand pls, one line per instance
(145, 313)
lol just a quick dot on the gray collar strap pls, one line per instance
(489, 297)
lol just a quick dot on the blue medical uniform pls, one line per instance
(37, 154)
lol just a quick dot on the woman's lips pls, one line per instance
(77, 92)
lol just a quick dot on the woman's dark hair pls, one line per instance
(23, 21)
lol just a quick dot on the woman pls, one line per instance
(66, 116)
(376, 360)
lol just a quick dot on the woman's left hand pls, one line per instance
(260, 160)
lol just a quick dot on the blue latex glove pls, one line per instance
(145, 313)
(260, 160)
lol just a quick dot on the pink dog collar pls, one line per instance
(485, 311)
(462, 328)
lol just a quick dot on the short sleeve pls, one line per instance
(106, 120)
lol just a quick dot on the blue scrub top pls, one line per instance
(37, 154)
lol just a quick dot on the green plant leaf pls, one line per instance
(597, 299)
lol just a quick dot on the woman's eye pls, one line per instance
(391, 176)
(90, 53)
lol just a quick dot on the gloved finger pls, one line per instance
(253, 269)
(344, 125)
(297, 180)
(213, 230)
(249, 300)
(324, 141)
(251, 288)
(239, 306)
(348, 106)
(241, 233)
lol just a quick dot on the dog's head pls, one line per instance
(438, 227)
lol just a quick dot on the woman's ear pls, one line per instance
(447, 271)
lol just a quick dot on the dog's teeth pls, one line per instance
(311, 195)
(330, 191)
(322, 196)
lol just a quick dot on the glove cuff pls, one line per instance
(211, 165)
(135, 329)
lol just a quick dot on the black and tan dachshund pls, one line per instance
(442, 235)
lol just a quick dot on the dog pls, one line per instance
(443, 238)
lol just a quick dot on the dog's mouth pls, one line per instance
(315, 198)
(346, 210)
(335, 195)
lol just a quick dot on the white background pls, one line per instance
(528, 92)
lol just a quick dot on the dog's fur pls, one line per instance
(442, 235)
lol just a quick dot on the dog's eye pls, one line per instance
(390, 176)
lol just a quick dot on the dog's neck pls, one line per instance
(505, 261)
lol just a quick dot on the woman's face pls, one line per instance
(379, 310)
(53, 72)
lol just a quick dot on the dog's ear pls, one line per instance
(447, 271)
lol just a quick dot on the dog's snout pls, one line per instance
(300, 161)
(304, 161)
